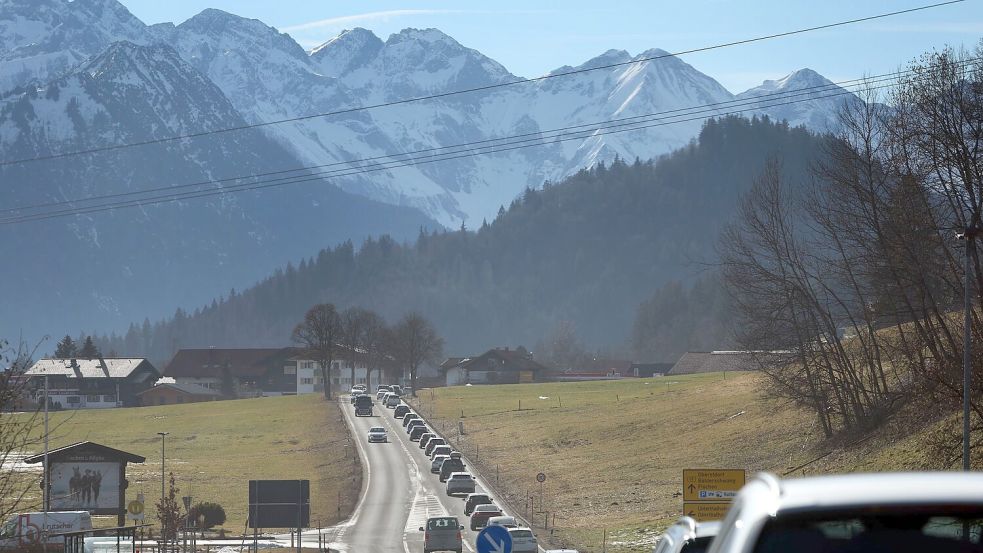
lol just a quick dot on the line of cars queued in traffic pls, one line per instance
(938, 512)
(443, 533)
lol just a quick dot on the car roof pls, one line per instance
(441, 456)
(487, 507)
(460, 474)
(526, 528)
(502, 517)
(857, 490)
(477, 494)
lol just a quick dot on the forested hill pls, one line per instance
(587, 250)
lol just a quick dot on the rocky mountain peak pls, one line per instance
(349, 50)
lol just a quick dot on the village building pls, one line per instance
(99, 383)
(236, 372)
(495, 366)
(695, 362)
(172, 393)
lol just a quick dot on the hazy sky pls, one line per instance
(531, 38)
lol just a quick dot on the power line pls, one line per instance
(166, 198)
(475, 89)
(539, 136)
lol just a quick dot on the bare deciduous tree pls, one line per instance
(20, 420)
(416, 342)
(320, 332)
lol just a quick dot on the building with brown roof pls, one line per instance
(100, 383)
(495, 366)
(236, 372)
(172, 393)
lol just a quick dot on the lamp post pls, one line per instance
(162, 435)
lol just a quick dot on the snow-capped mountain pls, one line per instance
(108, 268)
(814, 105)
(267, 76)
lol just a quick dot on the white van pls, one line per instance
(24, 529)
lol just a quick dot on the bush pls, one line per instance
(213, 512)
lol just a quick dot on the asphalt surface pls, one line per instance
(398, 493)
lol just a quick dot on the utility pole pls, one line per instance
(969, 236)
(162, 529)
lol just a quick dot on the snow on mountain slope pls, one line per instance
(40, 39)
(817, 111)
(267, 76)
(111, 267)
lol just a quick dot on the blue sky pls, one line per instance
(531, 38)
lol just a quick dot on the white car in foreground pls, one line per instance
(936, 512)
(687, 536)
(523, 540)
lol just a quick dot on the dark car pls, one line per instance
(475, 499)
(413, 424)
(481, 514)
(363, 406)
(433, 443)
(424, 439)
(417, 432)
(408, 417)
(449, 466)
(401, 410)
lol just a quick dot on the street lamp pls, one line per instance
(969, 235)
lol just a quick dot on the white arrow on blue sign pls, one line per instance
(494, 539)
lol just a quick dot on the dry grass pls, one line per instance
(215, 448)
(614, 451)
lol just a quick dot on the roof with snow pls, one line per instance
(499, 359)
(693, 362)
(102, 367)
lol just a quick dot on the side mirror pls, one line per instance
(422, 530)
(461, 527)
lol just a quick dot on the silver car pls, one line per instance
(437, 461)
(687, 536)
(460, 482)
(896, 512)
(523, 540)
(442, 534)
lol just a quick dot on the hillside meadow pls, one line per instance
(215, 448)
(613, 452)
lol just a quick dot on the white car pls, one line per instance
(506, 521)
(378, 434)
(687, 535)
(393, 401)
(460, 482)
(896, 512)
(523, 540)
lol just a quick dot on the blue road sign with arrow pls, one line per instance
(494, 539)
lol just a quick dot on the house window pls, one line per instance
(307, 364)
(73, 400)
(93, 398)
(289, 369)
(307, 381)
(109, 398)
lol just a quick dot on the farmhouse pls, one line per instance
(170, 393)
(495, 366)
(92, 383)
(236, 372)
(693, 362)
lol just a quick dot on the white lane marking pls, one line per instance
(343, 527)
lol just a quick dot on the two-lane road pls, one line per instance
(398, 492)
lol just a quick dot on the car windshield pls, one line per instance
(520, 533)
(698, 545)
(377, 429)
(883, 529)
(443, 523)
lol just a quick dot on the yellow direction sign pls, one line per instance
(712, 485)
(703, 510)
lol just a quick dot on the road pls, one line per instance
(398, 493)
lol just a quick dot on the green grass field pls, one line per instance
(614, 451)
(215, 448)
